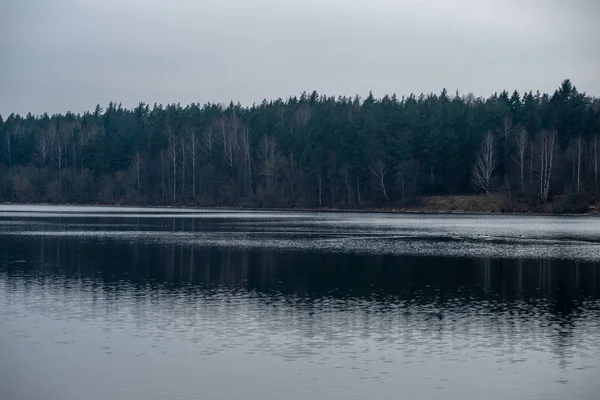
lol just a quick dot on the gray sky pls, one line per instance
(60, 55)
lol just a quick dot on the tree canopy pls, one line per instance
(307, 151)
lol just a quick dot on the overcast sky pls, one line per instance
(61, 55)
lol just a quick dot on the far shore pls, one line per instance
(443, 205)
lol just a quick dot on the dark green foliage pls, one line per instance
(308, 151)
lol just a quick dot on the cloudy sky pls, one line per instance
(60, 55)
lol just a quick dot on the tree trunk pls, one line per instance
(174, 181)
(547, 155)
(579, 151)
(507, 131)
(137, 165)
(531, 165)
(8, 148)
(245, 144)
(595, 161)
(174, 156)
(182, 169)
(194, 180)
(485, 164)
(193, 147)
(320, 190)
(379, 171)
(163, 188)
(521, 143)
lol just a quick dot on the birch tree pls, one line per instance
(193, 147)
(173, 152)
(136, 165)
(407, 180)
(43, 142)
(207, 146)
(320, 186)
(8, 140)
(163, 187)
(9, 135)
(60, 141)
(227, 132)
(270, 158)
(577, 154)
(507, 128)
(247, 155)
(208, 140)
(183, 163)
(546, 159)
(521, 144)
(485, 163)
(345, 173)
(379, 171)
(594, 151)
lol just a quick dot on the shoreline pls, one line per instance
(389, 210)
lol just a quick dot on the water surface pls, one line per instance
(122, 303)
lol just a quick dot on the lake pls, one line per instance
(153, 303)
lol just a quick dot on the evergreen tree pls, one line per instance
(306, 151)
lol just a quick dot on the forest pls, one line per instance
(311, 151)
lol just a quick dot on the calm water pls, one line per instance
(124, 303)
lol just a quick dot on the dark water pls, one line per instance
(108, 303)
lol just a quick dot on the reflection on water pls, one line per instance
(442, 235)
(111, 318)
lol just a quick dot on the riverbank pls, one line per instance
(452, 204)
(498, 204)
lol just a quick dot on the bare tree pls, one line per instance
(292, 164)
(407, 180)
(7, 138)
(193, 147)
(173, 153)
(43, 142)
(594, 149)
(163, 188)
(576, 154)
(269, 155)
(546, 158)
(233, 129)
(60, 142)
(379, 171)
(401, 181)
(208, 140)
(221, 129)
(247, 154)
(75, 127)
(521, 143)
(183, 162)
(432, 178)
(320, 183)
(227, 130)
(15, 131)
(207, 146)
(348, 195)
(507, 128)
(485, 163)
(137, 165)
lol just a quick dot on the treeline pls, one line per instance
(308, 151)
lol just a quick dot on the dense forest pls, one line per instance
(309, 151)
